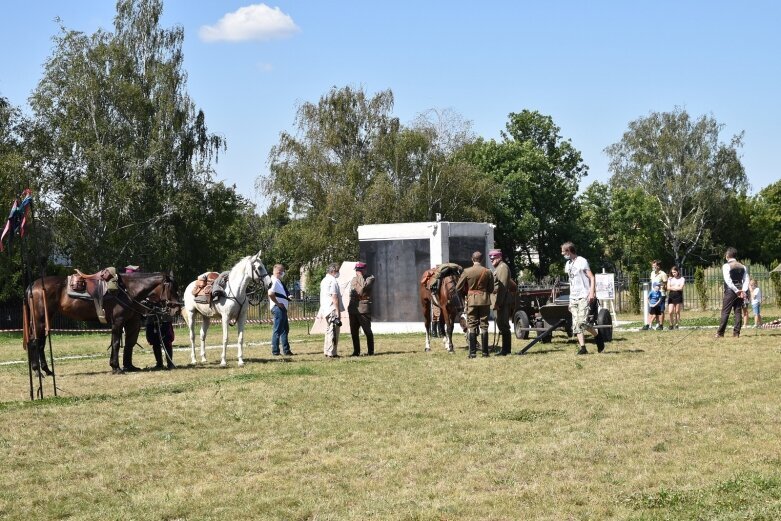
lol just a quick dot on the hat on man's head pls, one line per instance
(360, 265)
(130, 268)
(493, 254)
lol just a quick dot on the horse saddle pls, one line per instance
(209, 286)
(93, 287)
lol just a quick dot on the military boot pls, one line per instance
(158, 352)
(484, 342)
(507, 340)
(472, 344)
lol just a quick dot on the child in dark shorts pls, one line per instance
(654, 307)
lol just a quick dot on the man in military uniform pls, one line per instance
(479, 282)
(360, 309)
(502, 299)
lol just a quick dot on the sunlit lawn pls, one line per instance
(663, 425)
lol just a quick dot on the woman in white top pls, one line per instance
(756, 301)
(675, 283)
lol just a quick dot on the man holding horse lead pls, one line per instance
(331, 308)
(278, 300)
(479, 283)
(502, 299)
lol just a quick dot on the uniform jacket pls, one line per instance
(479, 282)
(503, 294)
(361, 294)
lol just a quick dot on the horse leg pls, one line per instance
(204, 329)
(114, 359)
(39, 357)
(427, 323)
(225, 325)
(449, 336)
(240, 327)
(190, 319)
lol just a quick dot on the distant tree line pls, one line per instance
(121, 162)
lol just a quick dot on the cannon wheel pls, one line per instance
(521, 321)
(604, 319)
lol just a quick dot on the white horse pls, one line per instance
(232, 306)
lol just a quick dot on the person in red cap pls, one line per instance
(360, 309)
(502, 299)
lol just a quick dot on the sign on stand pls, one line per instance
(606, 292)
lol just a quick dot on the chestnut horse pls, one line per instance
(451, 307)
(123, 309)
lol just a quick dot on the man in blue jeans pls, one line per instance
(278, 299)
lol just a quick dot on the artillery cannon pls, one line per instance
(545, 309)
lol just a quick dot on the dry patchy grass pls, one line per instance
(664, 425)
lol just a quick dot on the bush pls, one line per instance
(775, 278)
(702, 290)
(634, 292)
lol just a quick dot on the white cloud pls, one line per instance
(253, 22)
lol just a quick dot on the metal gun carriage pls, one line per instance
(545, 309)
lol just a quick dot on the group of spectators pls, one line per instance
(486, 290)
(739, 291)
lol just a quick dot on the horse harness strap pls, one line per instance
(475, 290)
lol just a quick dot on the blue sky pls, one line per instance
(592, 65)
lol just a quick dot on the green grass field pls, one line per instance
(663, 425)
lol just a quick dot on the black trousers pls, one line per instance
(360, 321)
(734, 303)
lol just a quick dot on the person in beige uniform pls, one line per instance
(360, 309)
(479, 283)
(502, 299)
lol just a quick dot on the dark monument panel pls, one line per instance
(397, 266)
(462, 248)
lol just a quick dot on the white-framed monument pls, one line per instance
(397, 254)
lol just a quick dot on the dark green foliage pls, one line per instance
(775, 278)
(125, 155)
(679, 163)
(634, 292)
(537, 173)
(352, 163)
(701, 287)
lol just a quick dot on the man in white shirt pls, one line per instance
(278, 300)
(331, 308)
(736, 280)
(582, 295)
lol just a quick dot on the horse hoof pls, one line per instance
(241, 363)
(223, 364)
(131, 369)
(117, 370)
(427, 349)
(48, 371)
(203, 360)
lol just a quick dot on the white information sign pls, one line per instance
(606, 288)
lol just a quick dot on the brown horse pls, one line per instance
(139, 294)
(450, 304)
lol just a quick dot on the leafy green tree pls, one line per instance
(14, 177)
(537, 173)
(765, 224)
(124, 155)
(680, 163)
(351, 162)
